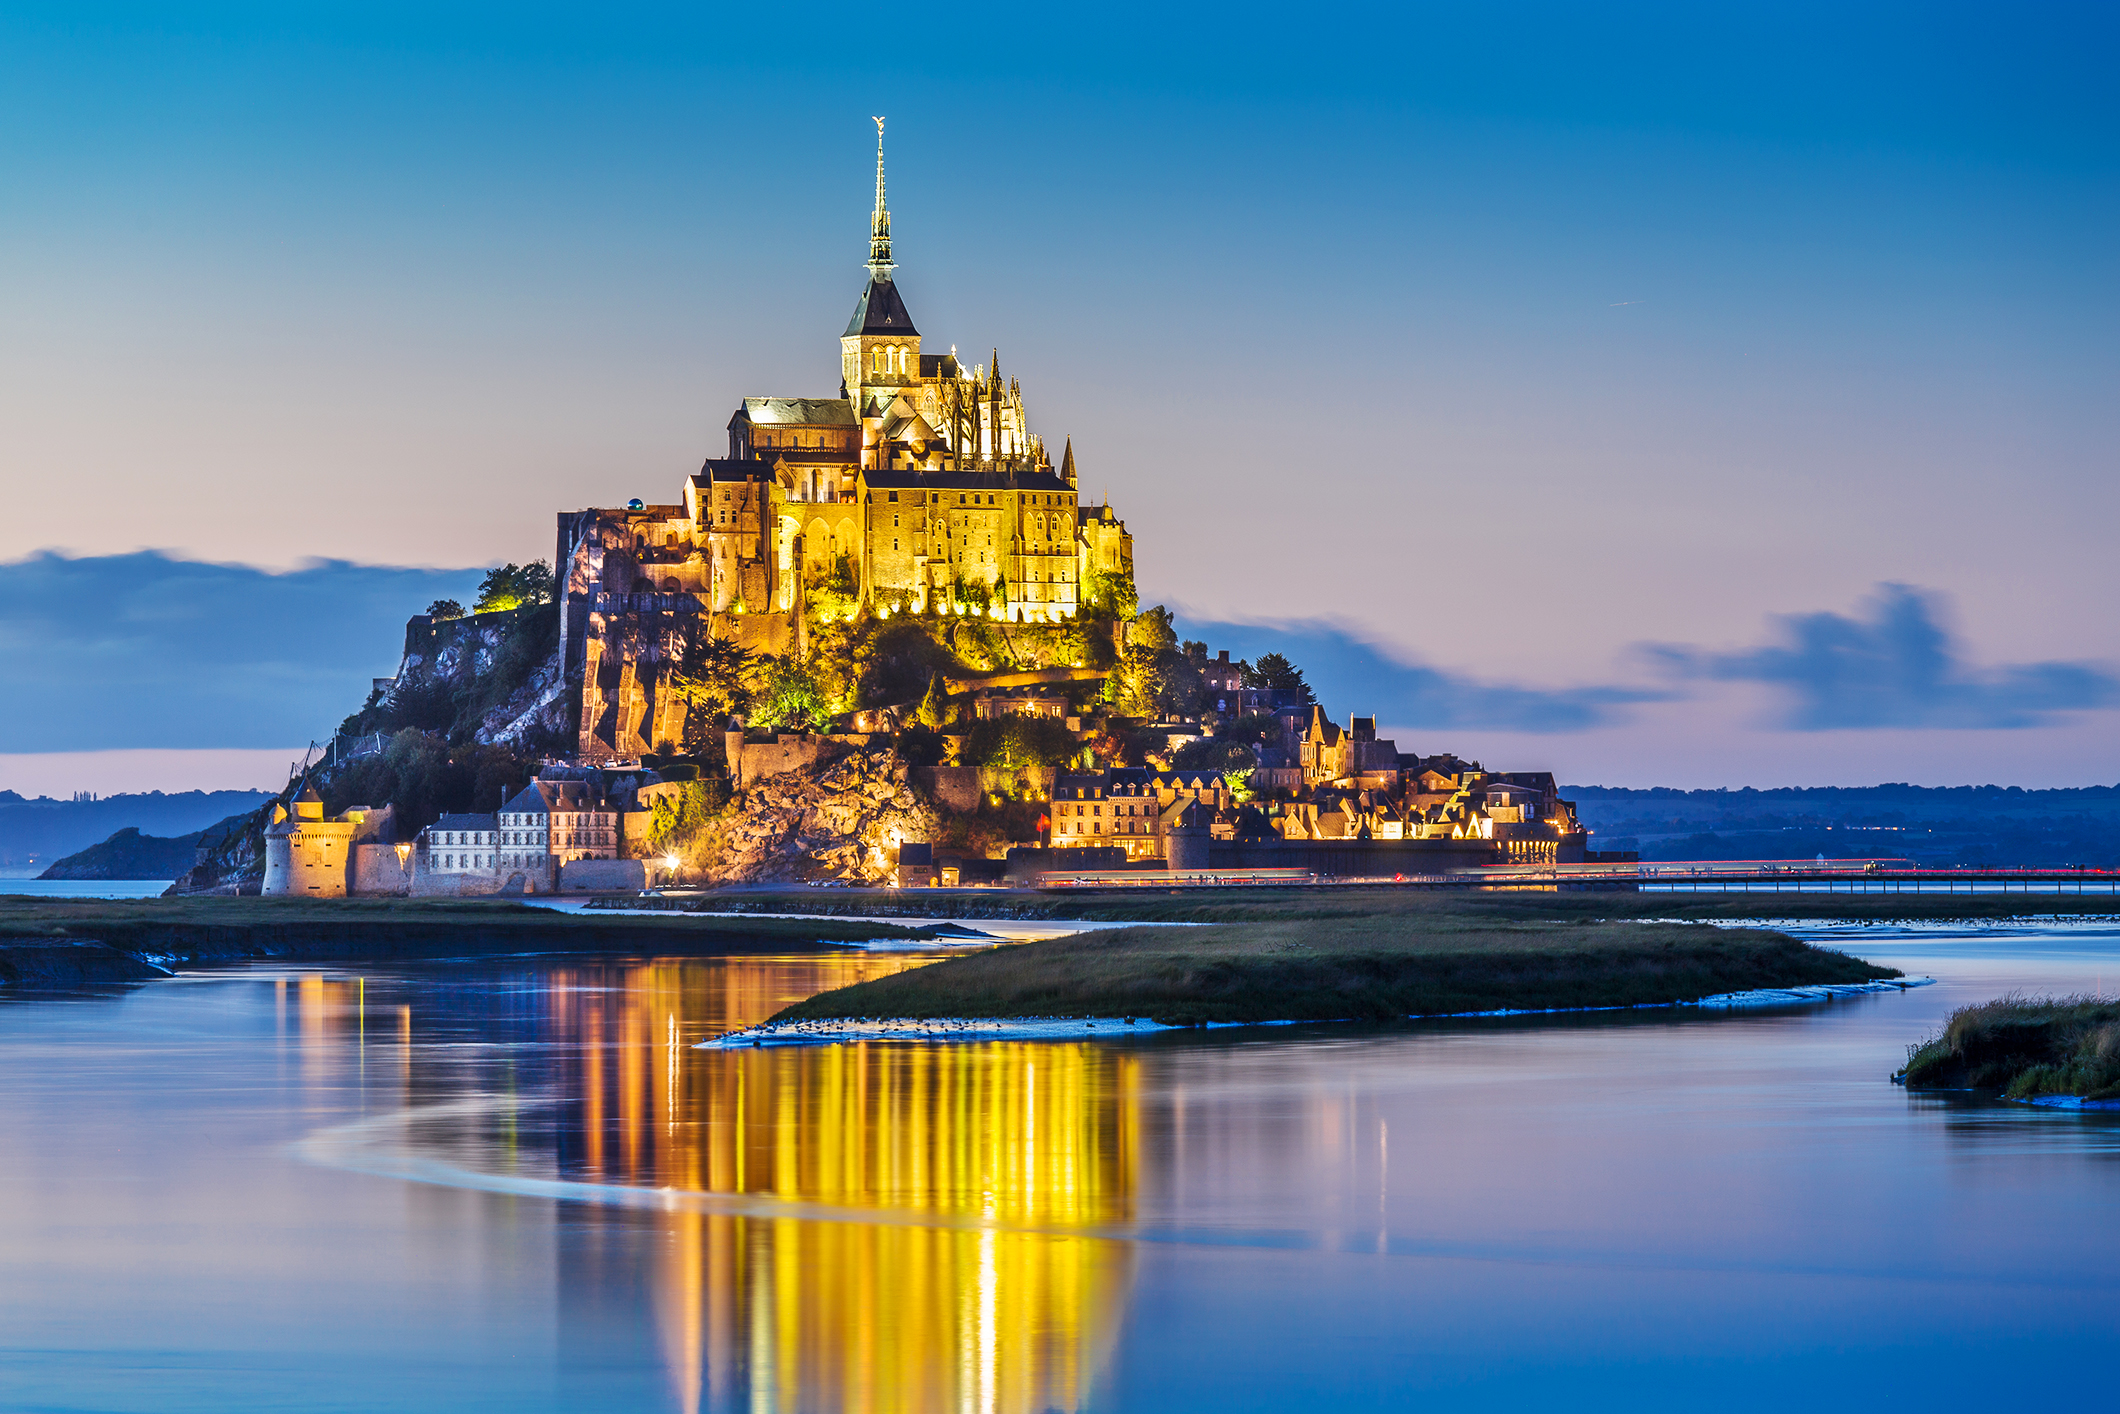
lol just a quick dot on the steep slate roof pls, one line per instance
(799, 412)
(722, 469)
(902, 477)
(543, 797)
(881, 311)
(464, 823)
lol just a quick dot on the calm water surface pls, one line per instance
(514, 1185)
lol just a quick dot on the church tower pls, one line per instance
(879, 354)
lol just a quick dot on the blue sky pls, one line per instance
(1510, 344)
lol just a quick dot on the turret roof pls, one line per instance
(881, 311)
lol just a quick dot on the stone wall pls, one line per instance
(581, 876)
(378, 870)
(756, 759)
(526, 879)
(1373, 858)
(954, 787)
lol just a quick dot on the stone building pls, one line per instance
(460, 844)
(1131, 808)
(310, 856)
(563, 820)
(919, 487)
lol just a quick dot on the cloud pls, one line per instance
(1353, 676)
(144, 650)
(1894, 666)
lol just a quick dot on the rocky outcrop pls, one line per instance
(537, 711)
(844, 822)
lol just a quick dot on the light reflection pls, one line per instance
(784, 1314)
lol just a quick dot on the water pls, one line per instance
(84, 888)
(516, 1186)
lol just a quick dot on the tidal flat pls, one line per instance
(65, 942)
(1440, 960)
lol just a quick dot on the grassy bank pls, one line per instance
(2024, 1047)
(1383, 965)
(1142, 905)
(54, 942)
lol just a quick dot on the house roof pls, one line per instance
(895, 479)
(464, 822)
(797, 412)
(881, 311)
(543, 797)
(723, 469)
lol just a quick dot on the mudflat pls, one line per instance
(1447, 958)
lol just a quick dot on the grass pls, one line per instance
(2024, 1047)
(36, 933)
(1395, 964)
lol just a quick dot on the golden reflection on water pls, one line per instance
(970, 1314)
(788, 1314)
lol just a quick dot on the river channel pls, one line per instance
(517, 1185)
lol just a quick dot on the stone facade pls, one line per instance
(309, 856)
(919, 487)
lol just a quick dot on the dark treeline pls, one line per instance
(1931, 825)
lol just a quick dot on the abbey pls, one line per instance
(919, 488)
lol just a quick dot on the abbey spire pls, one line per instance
(880, 266)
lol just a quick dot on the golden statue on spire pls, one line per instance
(880, 266)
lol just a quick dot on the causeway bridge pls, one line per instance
(1702, 876)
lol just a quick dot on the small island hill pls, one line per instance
(880, 637)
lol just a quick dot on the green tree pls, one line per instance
(711, 675)
(1277, 674)
(1111, 595)
(677, 818)
(1020, 741)
(789, 697)
(511, 586)
(1151, 628)
(934, 708)
(445, 609)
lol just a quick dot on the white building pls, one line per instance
(461, 844)
(568, 820)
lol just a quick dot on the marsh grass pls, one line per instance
(1375, 967)
(2024, 1047)
(195, 931)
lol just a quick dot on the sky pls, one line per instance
(1659, 395)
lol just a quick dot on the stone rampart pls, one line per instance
(381, 870)
(603, 876)
(954, 787)
(753, 759)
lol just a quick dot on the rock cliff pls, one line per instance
(845, 821)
